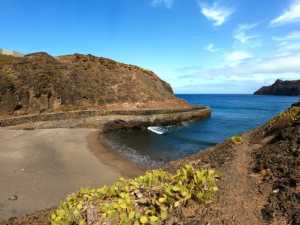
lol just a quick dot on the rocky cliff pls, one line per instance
(39, 82)
(290, 88)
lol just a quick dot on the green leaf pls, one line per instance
(144, 219)
(154, 219)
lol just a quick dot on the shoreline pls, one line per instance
(112, 158)
(248, 166)
(41, 167)
(68, 153)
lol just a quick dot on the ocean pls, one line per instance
(231, 115)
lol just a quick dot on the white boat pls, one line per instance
(157, 130)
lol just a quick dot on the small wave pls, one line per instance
(158, 130)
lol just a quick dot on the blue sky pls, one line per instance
(198, 46)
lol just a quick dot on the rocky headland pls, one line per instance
(42, 91)
(40, 83)
(280, 87)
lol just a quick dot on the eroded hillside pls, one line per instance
(39, 83)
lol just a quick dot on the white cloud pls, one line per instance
(217, 14)
(286, 48)
(166, 3)
(276, 66)
(211, 48)
(289, 16)
(247, 76)
(242, 35)
(288, 44)
(236, 57)
(295, 35)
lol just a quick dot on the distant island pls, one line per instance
(280, 87)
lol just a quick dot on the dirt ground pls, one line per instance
(39, 168)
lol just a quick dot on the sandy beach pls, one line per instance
(38, 168)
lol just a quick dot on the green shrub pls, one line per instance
(237, 139)
(147, 199)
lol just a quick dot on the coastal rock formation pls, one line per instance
(280, 87)
(39, 82)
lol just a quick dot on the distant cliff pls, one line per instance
(39, 82)
(289, 88)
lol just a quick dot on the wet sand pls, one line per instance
(41, 167)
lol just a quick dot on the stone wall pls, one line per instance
(108, 119)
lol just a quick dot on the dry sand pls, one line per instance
(41, 167)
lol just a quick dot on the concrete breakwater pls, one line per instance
(106, 119)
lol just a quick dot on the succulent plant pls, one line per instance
(148, 199)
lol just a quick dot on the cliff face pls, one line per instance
(39, 83)
(290, 88)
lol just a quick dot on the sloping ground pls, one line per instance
(38, 83)
(279, 165)
(259, 179)
(260, 175)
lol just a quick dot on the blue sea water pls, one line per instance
(232, 114)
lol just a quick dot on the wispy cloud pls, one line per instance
(250, 74)
(276, 66)
(236, 57)
(216, 13)
(295, 35)
(286, 48)
(242, 35)
(211, 48)
(288, 44)
(166, 3)
(289, 16)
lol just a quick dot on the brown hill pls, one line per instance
(39, 83)
(280, 87)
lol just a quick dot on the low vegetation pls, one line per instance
(285, 118)
(147, 199)
(237, 139)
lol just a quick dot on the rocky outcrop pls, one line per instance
(289, 88)
(39, 82)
